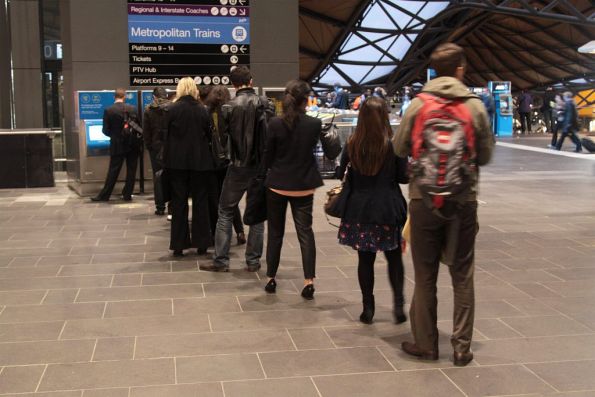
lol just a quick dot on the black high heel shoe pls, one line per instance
(367, 315)
(308, 292)
(271, 286)
(178, 253)
(398, 312)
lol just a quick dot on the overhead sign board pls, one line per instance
(171, 39)
(91, 104)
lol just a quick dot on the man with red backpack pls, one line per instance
(447, 133)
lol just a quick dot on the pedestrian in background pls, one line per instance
(154, 131)
(569, 125)
(376, 209)
(525, 109)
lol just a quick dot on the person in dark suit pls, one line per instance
(154, 135)
(189, 167)
(121, 147)
(292, 179)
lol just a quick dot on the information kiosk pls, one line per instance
(501, 90)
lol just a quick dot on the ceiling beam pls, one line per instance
(310, 53)
(306, 12)
(502, 7)
(332, 51)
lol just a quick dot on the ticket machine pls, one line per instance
(503, 117)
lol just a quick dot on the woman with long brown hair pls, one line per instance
(376, 209)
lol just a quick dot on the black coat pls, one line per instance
(188, 136)
(289, 154)
(154, 127)
(377, 199)
(113, 123)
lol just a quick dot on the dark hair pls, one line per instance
(218, 96)
(446, 58)
(294, 101)
(159, 92)
(370, 143)
(203, 92)
(120, 93)
(240, 76)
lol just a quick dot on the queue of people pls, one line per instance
(221, 145)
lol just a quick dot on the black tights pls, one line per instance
(365, 273)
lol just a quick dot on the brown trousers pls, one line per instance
(431, 237)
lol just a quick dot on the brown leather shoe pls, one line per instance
(462, 359)
(413, 350)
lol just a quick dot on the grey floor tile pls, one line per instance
(36, 313)
(218, 368)
(65, 260)
(127, 280)
(140, 293)
(195, 277)
(28, 271)
(213, 343)
(277, 319)
(536, 290)
(122, 392)
(311, 338)
(30, 331)
(429, 383)
(108, 374)
(286, 300)
(26, 353)
(530, 350)
(324, 362)
(235, 288)
(196, 390)
(145, 308)
(293, 387)
(567, 376)
(20, 379)
(21, 297)
(136, 326)
(482, 381)
(76, 393)
(60, 296)
(217, 304)
(54, 283)
(114, 349)
(493, 328)
(546, 326)
(116, 268)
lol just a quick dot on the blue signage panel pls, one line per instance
(202, 39)
(93, 103)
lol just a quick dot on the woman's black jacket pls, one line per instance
(188, 136)
(289, 154)
(377, 199)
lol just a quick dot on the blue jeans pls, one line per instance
(235, 185)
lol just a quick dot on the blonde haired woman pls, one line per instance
(190, 165)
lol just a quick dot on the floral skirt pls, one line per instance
(369, 237)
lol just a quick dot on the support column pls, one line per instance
(25, 40)
(5, 75)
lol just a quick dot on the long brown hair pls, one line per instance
(217, 97)
(369, 144)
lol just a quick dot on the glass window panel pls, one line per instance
(352, 42)
(379, 71)
(377, 18)
(331, 77)
(367, 53)
(400, 47)
(355, 72)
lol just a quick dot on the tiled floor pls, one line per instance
(91, 303)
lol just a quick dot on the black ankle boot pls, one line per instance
(369, 308)
(271, 286)
(308, 292)
(398, 311)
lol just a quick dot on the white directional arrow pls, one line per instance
(243, 49)
(242, 2)
(242, 12)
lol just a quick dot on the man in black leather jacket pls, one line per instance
(242, 128)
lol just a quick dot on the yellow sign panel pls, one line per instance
(585, 103)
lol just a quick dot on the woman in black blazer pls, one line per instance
(292, 178)
(376, 209)
(189, 164)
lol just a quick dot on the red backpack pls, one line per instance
(443, 150)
